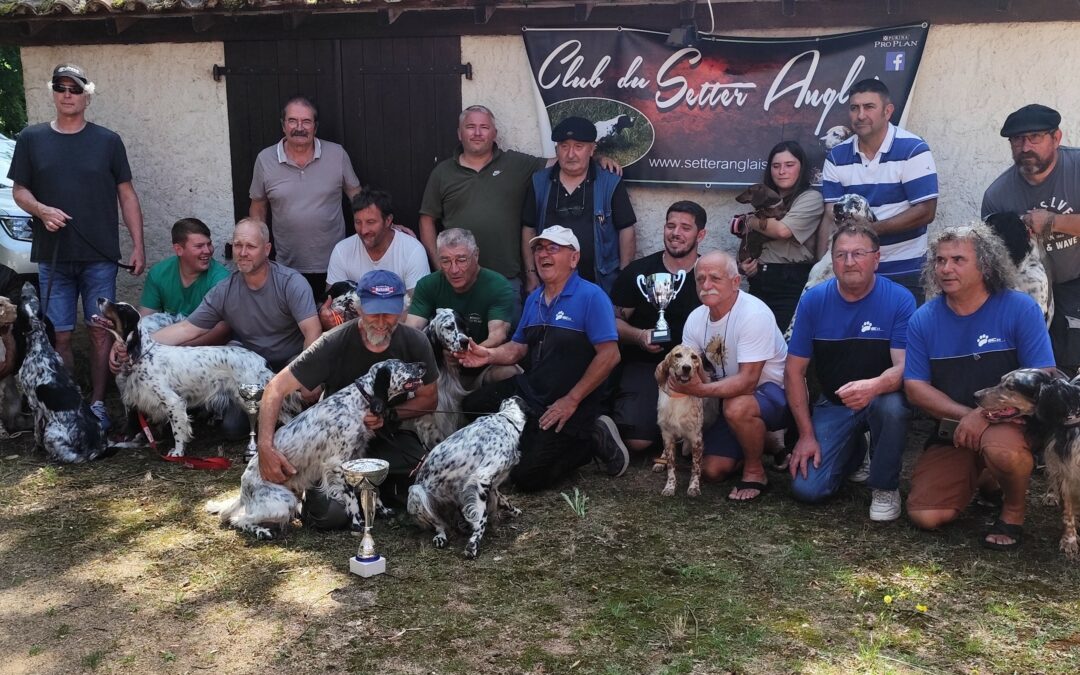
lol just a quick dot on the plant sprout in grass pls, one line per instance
(578, 503)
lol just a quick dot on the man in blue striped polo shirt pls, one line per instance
(894, 170)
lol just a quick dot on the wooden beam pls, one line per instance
(482, 13)
(119, 24)
(201, 23)
(293, 20)
(787, 7)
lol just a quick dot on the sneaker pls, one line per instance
(862, 474)
(98, 408)
(885, 506)
(610, 449)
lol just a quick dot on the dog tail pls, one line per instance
(226, 509)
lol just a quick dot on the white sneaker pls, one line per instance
(862, 474)
(885, 506)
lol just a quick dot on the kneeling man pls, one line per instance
(744, 354)
(854, 327)
(964, 340)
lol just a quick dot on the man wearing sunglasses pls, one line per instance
(1043, 186)
(854, 328)
(70, 175)
(568, 343)
(580, 195)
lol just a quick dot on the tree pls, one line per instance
(12, 95)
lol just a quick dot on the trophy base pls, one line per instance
(367, 568)
(660, 337)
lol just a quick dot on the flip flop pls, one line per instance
(762, 488)
(1014, 532)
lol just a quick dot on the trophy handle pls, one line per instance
(680, 279)
(641, 285)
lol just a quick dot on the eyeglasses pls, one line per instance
(552, 249)
(569, 211)
(460, 261)
(858, 255)
(69, 88)
(1033, 138)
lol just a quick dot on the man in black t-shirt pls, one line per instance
(335, 361)
(634, 405)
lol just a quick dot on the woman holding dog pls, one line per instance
(778, 276)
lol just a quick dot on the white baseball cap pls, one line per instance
(557, 234)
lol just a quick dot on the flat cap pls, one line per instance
(574, 129)
(1032, 117)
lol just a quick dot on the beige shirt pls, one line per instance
(803, 219)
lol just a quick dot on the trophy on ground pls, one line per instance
(660, 289)
(251, 394)
(365, 475)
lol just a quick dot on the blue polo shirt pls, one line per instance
(851, 341)
(561, 338)
(960, 355)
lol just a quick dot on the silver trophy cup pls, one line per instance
(251, 395)
(660, 289)
(366, 475)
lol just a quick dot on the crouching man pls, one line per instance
(854, 327)
(964, 340)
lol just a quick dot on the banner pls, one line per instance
(709, 114)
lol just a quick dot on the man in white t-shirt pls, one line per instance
(375, 246)
(744, 355)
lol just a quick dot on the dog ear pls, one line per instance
(662, 370)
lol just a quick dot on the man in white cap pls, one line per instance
(70, 174)
(567, 334)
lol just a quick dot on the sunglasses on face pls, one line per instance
(69, 88)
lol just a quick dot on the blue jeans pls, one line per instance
(836, 426)
(70, 281)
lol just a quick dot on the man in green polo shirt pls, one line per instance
(484, 299)
(177, 285)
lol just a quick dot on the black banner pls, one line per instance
(709, 114)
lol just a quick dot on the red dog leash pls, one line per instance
(206, 463)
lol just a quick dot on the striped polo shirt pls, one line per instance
(900, 175)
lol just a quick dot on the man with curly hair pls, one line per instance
(974, 331)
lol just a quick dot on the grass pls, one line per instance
(114, 567)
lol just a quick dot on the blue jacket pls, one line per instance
(605, 237)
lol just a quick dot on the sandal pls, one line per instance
(762, 488)
(1014, 532)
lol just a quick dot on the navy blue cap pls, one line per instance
(574, 129)
(1033, 117)
(381, 292)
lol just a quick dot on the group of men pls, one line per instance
(537, 255)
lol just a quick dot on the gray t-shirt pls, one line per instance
(803, 219)
(1060, 193)
(305, 204)
(340, 356)
(265, 320)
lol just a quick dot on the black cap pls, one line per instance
(1033, 117)
(70, 70)
(574, 129)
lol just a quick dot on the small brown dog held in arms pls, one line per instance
(767, 204)
(680, 416)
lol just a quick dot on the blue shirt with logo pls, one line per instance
(851, 341)
(960, 355)
(561, 338)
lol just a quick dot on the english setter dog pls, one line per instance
(1026, 252)
(446, 332)
(1050, 403)
(459, 480)
(163, 381)
(680, 416)
(316, 442)
(64, 426)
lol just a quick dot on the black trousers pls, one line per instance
(546, 456)
(779, 286)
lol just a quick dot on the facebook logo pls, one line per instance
(894, 60)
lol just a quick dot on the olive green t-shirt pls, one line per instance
(491, 298)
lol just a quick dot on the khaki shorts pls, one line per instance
(946, 477)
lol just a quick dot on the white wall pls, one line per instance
(970, 78)
(172, 116)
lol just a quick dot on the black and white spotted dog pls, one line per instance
(344, 301)
(64, 426)
(446, 332)
(608, 130)
(163, 381)
(315, 443)
(458, 483)
(1027, 254)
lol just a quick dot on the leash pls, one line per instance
(205, 463)
(55, 253)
